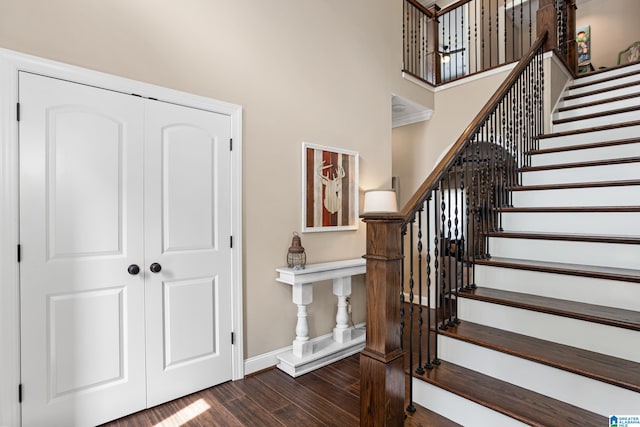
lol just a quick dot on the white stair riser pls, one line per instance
(597, 121)
(563, 330)
(615, 172)
(585, 155)
(582, 253)
(590, 137)
(598, 96)
(602, 85)
(613, 105)
(595, 196)
(586, 393)
(608, 74)
(458, 409)
(589, 290)
(602, 223)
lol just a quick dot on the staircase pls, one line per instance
(551, 335)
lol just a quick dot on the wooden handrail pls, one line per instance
(422, 9)
(452, 7)
(433, 179)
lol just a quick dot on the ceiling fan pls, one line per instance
(445, 53)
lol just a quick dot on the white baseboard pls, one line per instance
(270, 359)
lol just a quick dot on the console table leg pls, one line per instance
(342, 289)
(302, 295)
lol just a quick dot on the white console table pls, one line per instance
(345, 341)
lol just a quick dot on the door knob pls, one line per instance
(155, 267)
(133, 269)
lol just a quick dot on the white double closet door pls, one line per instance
(110, 184)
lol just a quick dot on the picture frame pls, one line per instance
(583, 41)
(330, 193)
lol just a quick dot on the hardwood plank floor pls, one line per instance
(329, 396)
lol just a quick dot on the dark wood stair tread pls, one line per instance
(589, 163)
(519, 403)
(424, 417)
(571, 185)
(597, 115)
(588, 129)
(611, 316)
(569, 209)
(612, 370)
(599, 102)
(586, 146)
(599, 91)
(607, 273)
(602, 80)
(569, 237)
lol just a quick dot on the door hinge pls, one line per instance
(19, 393)
(19, 253)
(233, 338)
(18, 111)
(231, 242)
(230, 144)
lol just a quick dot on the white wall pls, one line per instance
(315, 71)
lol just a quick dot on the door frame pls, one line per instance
(11, 63)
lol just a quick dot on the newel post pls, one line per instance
(382, 377)
(546, 20)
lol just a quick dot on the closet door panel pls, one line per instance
(187, 220)
(81, 213)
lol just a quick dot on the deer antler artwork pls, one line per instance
(333, 193)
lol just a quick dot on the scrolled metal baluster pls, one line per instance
(436, 254)
(410, 407)
(420, 369)
(455, 235)
(428, 364)
(449, 235)
(402, 313)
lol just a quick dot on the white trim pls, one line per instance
(10, 63)
(9, 269)
(461, 81)
(408, 119)
(270, 359)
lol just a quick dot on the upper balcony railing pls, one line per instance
(472, 36)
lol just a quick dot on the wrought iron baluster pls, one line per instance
(443, 270)
(428, 365)
(410, 407)
(449, 260)
(420, 369)
(456, 211)
(402, 311)
(436, 275)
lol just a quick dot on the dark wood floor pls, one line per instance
(329, 396)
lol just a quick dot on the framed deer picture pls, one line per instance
(329, 188)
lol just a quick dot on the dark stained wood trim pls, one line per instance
(421, 8)
(617, 317)
(382, 377)
(599, 91)
(571, 185)
(589, 129)
(603, 80)
(600, 102)
(625, 240)
(597, 115)
(524, 405)
(605, 162)
(607, 273)
(567, 209)
(586, 146)
(611, 370)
